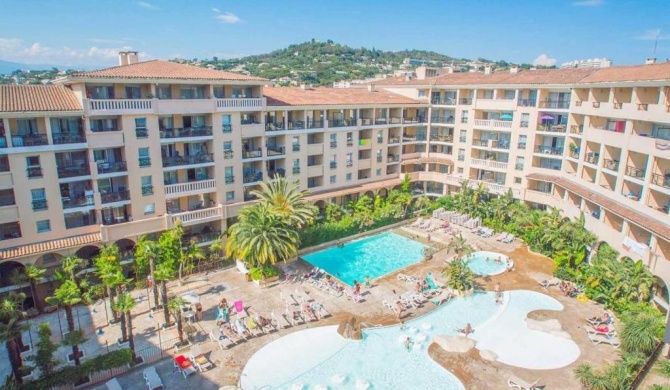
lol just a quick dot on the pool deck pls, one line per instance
(471, 369)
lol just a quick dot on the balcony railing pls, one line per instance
(551, 128)
(591, 159)
(296, 170)
(118, 196)
(350, 163)
(480, 142)
(521, 145)
(526, 102)
(141, 132)
(312, 124)
(561, 104)
(275, 151)
(333, 144)
(9, 231)
(419, 119)
(72, 169)
(3, 141)
(661, 180)
(443, 119)
(441, 138)
(295, 125)
(204, 131)
(29, 140)
(635, 172)
(252, 154)
(643, 107)
(381, 121)
(394, 140)
(7, 200)
(392, 158)
(548, 150)
(379, 158)
(577, 129)
(445, 101)
(252, 177)
(295, 147)
(228, 154)
(144, 161)
(78, 201)
(196, 216)
(188, 160)
(145, 105)
(112, 167)
(199, 186)
(465, 101)
(238, 103)
(147, 190)
(33, 172)
(229, 179)
(612, 165)
(68, 138)
(500, 144)
(333, 164)
(518, 167)
(40, 204)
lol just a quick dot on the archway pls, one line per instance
(8, 272)
(661, 293)
(88, 254)
(369, 194)
(126, 248)
(383, 193)
(321, 205)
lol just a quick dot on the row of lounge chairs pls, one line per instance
(242, 329)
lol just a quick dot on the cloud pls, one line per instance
(14, 49)
(104, 40)
(652, 35)
(226, 17)
(145, 5)
(544, 60)
(588, 3)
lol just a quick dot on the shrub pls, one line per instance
(268, 270)
(460, 276)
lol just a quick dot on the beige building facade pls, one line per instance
(107, 156)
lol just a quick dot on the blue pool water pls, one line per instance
(373, 256)
(478, 263)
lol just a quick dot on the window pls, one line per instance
(422, 93)
(348, 176)
(33, 166)
(333, 179)
(133, 92)
(43, 226)
(100, 92)
(460, 170)
(147, 186)
(149, 208)
(39, 198)
(525, 119)
(140, 123)
(509, 94)
(227, 124)
(464, 116)
(379, 172)
(517, 180)
(99, 125)
(144, 158)
(163, 92)
(230, 196)
(219, 92)
(192, 92)
(488, 94)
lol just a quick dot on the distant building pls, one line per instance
(590, 63)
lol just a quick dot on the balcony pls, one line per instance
(147, 190)
(239, 104)
(560, 104)
(68, 138)
(442, 119)
(112, 197)
(661, 180)
(120, 106)
(275, 151)
(316, 148)
(445, 101)
(634, 172)
(33, 172)
(551, 128)
(10, 230)
(228, 154)
(295, 125)
(76, 202)
(190, 188)
(526, 102)
(577, 129)
(441, 138)
(612, 165)
(189, 132)
(364, 143)
(591, 158)
(341, 122)
(500, 144)
(196, 216)
(144, 161)
(252, 177)
(40, 204)
(488, 164)
(312, 124)
(252, 154)
(141, 132)
(493, 124)
(394, 140)
(112, 167)
(72, 169)
(392, 158)
(188, 160)
(19, 141)
(465, 101)
(410, 120)
(548, 150)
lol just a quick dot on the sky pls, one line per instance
(89, 33)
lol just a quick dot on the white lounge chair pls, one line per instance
(199, 360)
(391, 307)
(417, 223)
(407, 278)
(550, 282)
(518, 383)
(602, 339)
(319, 310)
(152, 379)
(508, 239)
(221, 339)
(592, 330)
(113, 384)
(501, 236)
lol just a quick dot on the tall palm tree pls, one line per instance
(192, 253)
(108, 264)
(175, 305)
(261, 237)
(70, 265)
(460, 247)
(146, 252)
(125, 303)
(10, 331)
(164, 272)
(34, 274)
(69, 295)
(286, 200)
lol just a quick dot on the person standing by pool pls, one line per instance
(498, 293)
(418, 288)
(357, 288)
(399, 308)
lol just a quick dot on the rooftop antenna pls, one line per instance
(658, 34)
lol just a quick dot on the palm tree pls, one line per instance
(70, 265)
(192, 253)
(125, 303)
(34, 274)
(460, 247)
(286, 200)
(146, 252)
(10, 331)
(261, 237)
(108, 264)
(163, 273)
(68, 295)
(641, 331)
(459, 275)
(175, 305)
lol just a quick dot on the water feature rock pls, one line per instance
(551, 326)
(457, 344)
(488, 355)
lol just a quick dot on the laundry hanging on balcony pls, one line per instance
(634, 246)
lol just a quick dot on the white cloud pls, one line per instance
(226, 17)
(652, 35)
(144, 4)
(14, 49)
(544, 60)
(588, 3)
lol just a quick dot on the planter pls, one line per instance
(267, 280)
(138, 360)
(70, 357)
(178, 347)
(83, 381)
(121, 343)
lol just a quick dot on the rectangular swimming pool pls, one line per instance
(373, 256)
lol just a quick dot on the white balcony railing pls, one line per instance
(237, 104)
(191, 188)
(121, 106)
(196, 216)
(494, 124)
(478, 162)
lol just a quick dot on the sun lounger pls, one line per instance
(199, 359)
(217, 336)
(352, 296)
(500, 236)
(417, 223)
(391, 307)
(300, 294)
(184, 365)
(294, 316)
(595, 321)
(407, 278)
(319, 310)
(113, 384)
(436, 213)
(550, 282)
(252, 325)
(425, 224)
(518, 383)
(606, 330)
(152, 379)
(508, 239)
(602, 339)
(285, 323)
(441, 298)
(430, 281)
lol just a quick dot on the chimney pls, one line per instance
(123, 58)
(650, 61)
(408, 76)
(488, 69)
(371, 87)
(514, 69)
(132, 57)
(304, 87)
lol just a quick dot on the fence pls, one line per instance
(639, 378)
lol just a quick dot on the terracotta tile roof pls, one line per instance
(539, 76)
(26, 98)
(283, 96)
(659, 71)
(159, 69)
(428, 160)
(49, 246)
(643, 221)
(350, 190)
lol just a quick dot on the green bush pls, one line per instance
(268, 270)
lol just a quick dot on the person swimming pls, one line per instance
(408, 344)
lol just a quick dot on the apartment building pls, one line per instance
(109, 155)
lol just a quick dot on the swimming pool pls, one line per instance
(317, 357)
(373, 256)
(484, 263)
